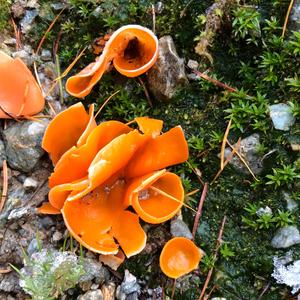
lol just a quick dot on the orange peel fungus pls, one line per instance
(179, 257)
(95, 179)
(133, 49)
(20, 95)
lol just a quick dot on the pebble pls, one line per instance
(46, 55)
(26, 54)
(95, 271)
(193, 64)
(30, 184)
(28, 19)
(291, 204)
(128, 286)
(109, 290)
(264, 211)
(281, 116)
(168, 73)
(2, 151)
(180, 229)
(57, 236)
(23, 144)
(286, 237)
(249, 150)
(92, 295)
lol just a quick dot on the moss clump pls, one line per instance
(4, 13)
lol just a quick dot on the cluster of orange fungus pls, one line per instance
(179, 257)
(102, 170)
(133, 49)
(20, 95)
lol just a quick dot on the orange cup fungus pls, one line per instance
(20, 95)
(179, 257)
(133, 49)
(102, 170)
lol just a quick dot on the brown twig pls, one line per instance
(196, 172)
(214, 81)
(199, 210)
(4, 184)
(56, 43)
(173, 289)
(145, 91)
(183, 12)
(47, 31)
(224, 144)
(287, 18)
(17, 35)
(218, 244)
(228, 159)
(243, 161)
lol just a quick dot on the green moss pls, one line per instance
(4, 13)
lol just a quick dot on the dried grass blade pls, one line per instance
(171, 197)
(243, 161)
(105, 102)
(224, 144)
(287, 18)
(47, 31)
(4, 184)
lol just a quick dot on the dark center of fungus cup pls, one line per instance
(132, 50)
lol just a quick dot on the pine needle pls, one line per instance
(47, 31)
(224, 144)
(287, 18)
(4, 184)
(171, 197)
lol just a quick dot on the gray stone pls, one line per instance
(294, 141)
(179, 228)
(294, 22)
(30, 184)
(46, 55)
(193, 64)
(291, 204)
(92, 295)
(18, 8)
(58, 6)
(9, 283)
(286, 237)
(28, 19)
(128, 286)
(26, 54)
(23, 144)
(20, 212)
(168, 72)
(282, 117)
(57, 236)
(94, 271)
(264, 211)
(2, 151)
(249, 150)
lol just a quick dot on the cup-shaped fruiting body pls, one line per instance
(156, 197)
(20, 95)
(179, 257)
(133, 49)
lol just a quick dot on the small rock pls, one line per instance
(94, 271)
(294, 22)
(108, 291)
(28, 19)
(286, 237)
(58, 6)
(30, 184)
(23, 144)
(46, 55)
(249, 150)
(33, 247)
(168, 72)
(179, 228)
(128, 286)
(92, 295)
(294, 142)
(32, 4)
(193, 64)
(291, 204)
(26, 54)
(264, 211)
(19, 213)
(57, 236)
(9, 283)
(218, 298)
(10, 41)
(282, 117)
(2, 151)
(18, 8)
(86, 285)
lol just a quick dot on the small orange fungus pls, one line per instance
(102, 170)
(133, 49)
(20, 95)
(179, 257)
(113, 261)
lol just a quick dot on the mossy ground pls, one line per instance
(202, 110)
